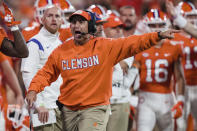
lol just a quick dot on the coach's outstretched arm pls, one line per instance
(122, 48)
(17, 48)
(44, 77)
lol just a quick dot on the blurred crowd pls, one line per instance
(24, 9)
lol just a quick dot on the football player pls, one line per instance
(189, 50)
(156, 66)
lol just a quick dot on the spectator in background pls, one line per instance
(82, 4)
(184, 22)
(9, 77)
(118, 120)
(100, 19)
(136, 4)
(129, 19)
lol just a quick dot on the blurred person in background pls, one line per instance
(81, 4)
(186, 21)
(137, 4)
(129, 19)
(156, 66)
(9, 77)
(101, 12)
(188, 44)
(18, 47)
(40, 47)
(23, 10)
(118, 120)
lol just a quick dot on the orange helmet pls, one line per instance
(113, 13)
(100, 11)
(113, 21)
(156, 20)
(67, 9)
(66, 6)
(42, 5)
(188, 10)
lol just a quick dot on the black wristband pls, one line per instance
(160, 37)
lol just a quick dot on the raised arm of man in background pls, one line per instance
(180, 21)
(17, 48)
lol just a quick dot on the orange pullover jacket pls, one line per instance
(87, 69)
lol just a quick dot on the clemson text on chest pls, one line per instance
(80, 63)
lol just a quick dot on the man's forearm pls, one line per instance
(11, 78)
(179, 76)
(181, 86)
(20, 44)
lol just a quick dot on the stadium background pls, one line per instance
(24, 9)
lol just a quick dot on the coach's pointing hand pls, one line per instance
(30, 98)
(169, 34)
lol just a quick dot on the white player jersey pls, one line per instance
(2, 121)
(40, 47)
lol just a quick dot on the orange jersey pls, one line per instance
(35, 27)
(31, 30)
(25, 122)
(65, 33)
(87, 70)
(3, 96)
(189, 60)
(4, 102)
(156, 67)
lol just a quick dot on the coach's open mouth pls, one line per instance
(77, 32)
